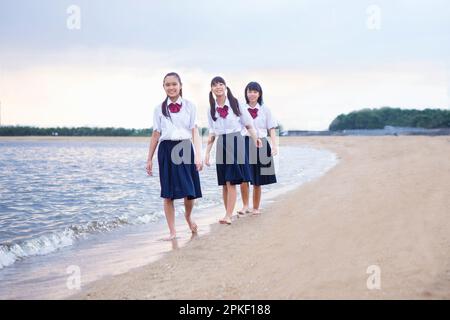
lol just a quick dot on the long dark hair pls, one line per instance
(233, 101)
(164, 108)
(254, 86)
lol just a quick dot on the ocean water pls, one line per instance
(89, 204)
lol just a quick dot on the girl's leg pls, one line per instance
(231, 202)
(169, 210)
(188, 206)
(256, 199)
(225, 196)
(245, 197)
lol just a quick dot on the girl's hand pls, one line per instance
(207, 160)
(258, 143)
(198, 163)
(149, 167)
(274, 151)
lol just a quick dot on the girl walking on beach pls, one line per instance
(226, 119)
(261, 160)
(175, 130)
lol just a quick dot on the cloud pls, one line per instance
(125, 95)
(237, 33)
(316, 55)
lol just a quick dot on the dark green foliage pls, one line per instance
(65, 131)
(396, 117)
(79, 131)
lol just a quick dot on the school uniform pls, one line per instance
(231, 162)
(178, 175)
(260, 159)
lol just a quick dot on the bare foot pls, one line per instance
(193, 226)
(225, 220)
(243, 211)
(170, 238)
(191, 223)
(193, 236)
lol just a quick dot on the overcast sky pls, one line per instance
(314, 59)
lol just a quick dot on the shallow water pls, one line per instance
(68, 204)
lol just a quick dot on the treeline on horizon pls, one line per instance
(76, 131)
(360, 119)
(396, 117)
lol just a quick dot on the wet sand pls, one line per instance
(385, 204)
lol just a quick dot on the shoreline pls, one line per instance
(385, 204)
(118, 260)
(62, 138)
(209, 223)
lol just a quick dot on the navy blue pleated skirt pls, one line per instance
(261, 162)
(178, 174)
(231, 160)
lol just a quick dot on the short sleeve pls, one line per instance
(193, 117)
(271, 122)
(157, 119)
(245, 118)
(210, 123)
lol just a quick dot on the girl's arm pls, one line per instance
(247, 121)
(255, 138)
(211, 138)
(151, 151)
(273, 139)
(198, 148)
(272, 123)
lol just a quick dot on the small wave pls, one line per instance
(10, 253)
(45, 244)
(312, 163)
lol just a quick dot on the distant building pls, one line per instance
(386, 131)
(306, 133)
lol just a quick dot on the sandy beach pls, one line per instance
(385, 204)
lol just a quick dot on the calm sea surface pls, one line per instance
(59, 198)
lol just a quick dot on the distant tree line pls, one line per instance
(77, 131)
(396, 117)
